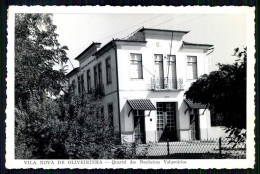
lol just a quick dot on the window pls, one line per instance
(79, 86)
(100, 73)
(88, 81)
(136, 71)
(160, 115)
(73, 85)
(192, 67)
(171, 74)
(95, 76)
(110, 113)
(158, 65)
(82, 83)
(108, 70)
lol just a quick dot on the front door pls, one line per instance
(194, 124)
(166, 121)
(139, 127)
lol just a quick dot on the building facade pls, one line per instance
(142, 81)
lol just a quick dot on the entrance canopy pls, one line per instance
(141, 104)
(193, 105)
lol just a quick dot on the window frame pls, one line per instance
(95, 76)
(141, 61)
(196, 63)
(79, 85)
(99, 71)
(82, 83)
(108, 71)
(88, 76)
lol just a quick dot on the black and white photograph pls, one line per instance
(130, 87)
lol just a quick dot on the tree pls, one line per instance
(37, 51)
(225, 93)
(69, 127)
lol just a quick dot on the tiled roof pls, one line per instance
(194, 105)
(141, 104)
(196, 44)
(137, 36)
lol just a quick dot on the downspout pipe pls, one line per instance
(117, 83)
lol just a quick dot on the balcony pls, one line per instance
(99, 90)
(167, 83)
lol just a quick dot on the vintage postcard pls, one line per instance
(130, 87)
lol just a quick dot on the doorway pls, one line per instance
(139, 126)
(166, 121)
(194, 124)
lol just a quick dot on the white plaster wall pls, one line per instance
(138, 88)
(203, 124)
(109, 89)
(207, 132)
(184, 122)
(215, 132)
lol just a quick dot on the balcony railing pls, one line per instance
(166, 83)
(99, 90)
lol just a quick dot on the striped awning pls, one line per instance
(194, 105)
(141, 104)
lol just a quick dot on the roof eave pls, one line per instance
(101, 50)
(87, 49)
(161, 30)
(197, 45)
(72, 72)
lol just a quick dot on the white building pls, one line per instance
(142, 80)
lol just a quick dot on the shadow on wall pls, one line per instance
(166, 94)
(171, 136)
(126, 118)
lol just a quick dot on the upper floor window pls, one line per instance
(136, 70)
(192, 67)
(88, 81)
(108, 70)
(100, 73)
(95, 76)
(158, 66)
(82, 83)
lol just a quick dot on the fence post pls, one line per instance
(168, 147)
(220, 148)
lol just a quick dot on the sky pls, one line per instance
(224, 31)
